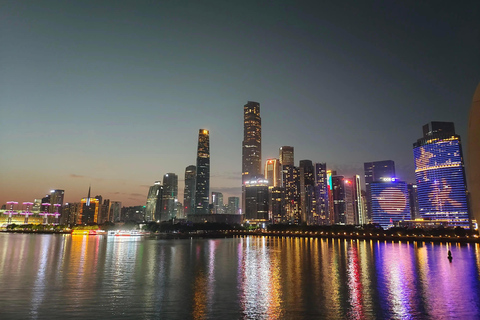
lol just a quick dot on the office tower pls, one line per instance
(343, 200)
(99, 214)
(217, 202)
(56, 197)
(374, 171)
(153, 208)
(331, 207)
(413, 200)
(440, 175)
(307, 191)
(390, 202)
(37, 205)
(474, 155)
(321, 194)
(233, 205)
(202, 178)
(256, 201)
(169, 197)
(88, 210)
(273, 173)
(189, 191)
(358, 201)
(277, 204)
(286, 156)
(180, 211)
(70, 213)
(252, 142)
(104, 211)
(116, 212)
(291, 183)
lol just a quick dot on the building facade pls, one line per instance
(169, 197)
(153, 208)
(390, 202)
(189, 190)
(202, 176)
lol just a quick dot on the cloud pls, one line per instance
(73, 175)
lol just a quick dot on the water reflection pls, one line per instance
(78, 277)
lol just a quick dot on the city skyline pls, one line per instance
(114, 113)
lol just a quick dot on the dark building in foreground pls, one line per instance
(202, 180)
(256, 201)
(440, 175)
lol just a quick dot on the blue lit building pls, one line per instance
(390, 202)
(440, 175)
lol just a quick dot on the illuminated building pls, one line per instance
(202, 177)
(273, 172)
(189, 190)
(390, 202)
(291, 183)
(440, 175)
(56, 197)
(233, 205)
(343, 200)
(116, 212)
(331, 207)
(88, 213)
(474, 155)
(374, 171)
(413, 200)
(169, 197)
(277, 204)
(105, 209)
(321, 194)
(358, 201)
(286, 156)
(307, 191)
(70, 213)
(256, 201)
(217, 202)
(153, 208)
(252, 142)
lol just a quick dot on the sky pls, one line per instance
(112, 93)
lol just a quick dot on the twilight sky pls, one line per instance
(112, 93)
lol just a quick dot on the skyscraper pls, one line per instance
(473, 167)
(321, 194)
(252, 142)
(413, 200)
(116, 212)
(440, 175)
(233, 205)
(189, 191)
(343, 193)
(374, 171)
(217, 202)
(256, 201)
(153, 208)
(390, 202)
(202, 180)
(170, 196)
(286, 156)
(307, 191)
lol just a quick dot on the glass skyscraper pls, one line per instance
(390, 202)
(189, 190)
(440, 175)
(252, 142)
(202, 181)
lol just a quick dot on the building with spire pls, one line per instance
(202, 177)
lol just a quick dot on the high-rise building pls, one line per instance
(307, 191)
(277, 204)
(374, 171)
(440, 175)
(233, 205)
(202, 178)
(153, 208)
(189, 191)
(343, 200)
(56, 197)
(252, 142)
(286, 156)
(256, 201)
(413, 200)
(217, 202)
(70, 213)
(116, 212)
(169, 197)
(358, 201)
(321, 194)
(390, 202)
(273, 172)
(474, 155)
(291, 183)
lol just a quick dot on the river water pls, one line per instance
(81, 277)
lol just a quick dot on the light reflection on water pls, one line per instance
(79, 277)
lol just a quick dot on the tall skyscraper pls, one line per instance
(440, 175)
(390, 202)
(273, 172)
(252, 142)
(202, 180)
(277, 204)
(217, 202)
(116, 212)
(358, 201)
(307, 191)
(343, 200)
(413, 200)
(291, 183)
(374, 171)
(170, 196)
(473, 167)
(321, 194)
(189, 191)
(153, 208)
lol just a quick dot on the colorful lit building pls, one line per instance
(202, 176)
(440, 175)
(390, 202)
